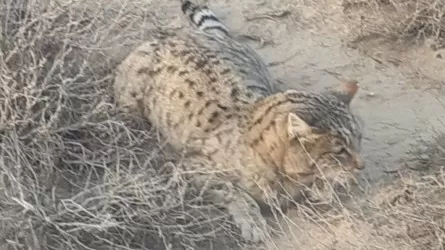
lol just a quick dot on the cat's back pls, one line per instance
(182, 83)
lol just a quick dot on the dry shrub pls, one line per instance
(75, 172)
(78, 174)
(402, 19)
(412, 208)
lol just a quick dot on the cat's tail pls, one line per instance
(204, 19)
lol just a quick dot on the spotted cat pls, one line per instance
(244, 143)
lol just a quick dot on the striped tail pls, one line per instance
(204, 19)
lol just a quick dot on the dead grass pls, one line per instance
(408, 20)
(78, 174)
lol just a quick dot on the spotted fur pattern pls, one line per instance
(246, 146)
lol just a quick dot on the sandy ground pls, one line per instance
(306, 45)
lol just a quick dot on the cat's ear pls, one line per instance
(296, 127)
(346, 91)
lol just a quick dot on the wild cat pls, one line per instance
(245, 143)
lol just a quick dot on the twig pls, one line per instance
(273, 15)
(263, 42)
(273, 64)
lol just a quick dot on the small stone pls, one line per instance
(371, 94)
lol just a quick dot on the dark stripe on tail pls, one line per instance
(204, 18)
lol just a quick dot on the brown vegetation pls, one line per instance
(77, 174)
(410, 20)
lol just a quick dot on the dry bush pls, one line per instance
(412, 208)
(401, 19)
(76, 173)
